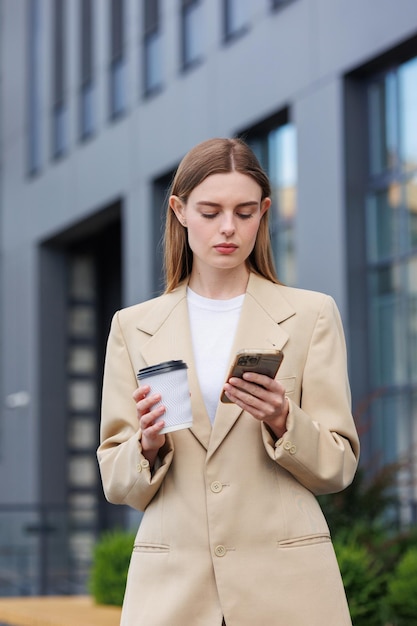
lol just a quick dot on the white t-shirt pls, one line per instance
(213, 326)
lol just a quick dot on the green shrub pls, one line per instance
(364, 583)
(111, 559)
(369, 543)
(402, 590)
(365, 503)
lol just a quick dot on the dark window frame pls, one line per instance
(186, 62)
(86, 17)
(86, 65)
(59, 79)
(151, 29)
(376, 390)
(117, 33)
(231, 34)
(34, 37)
(277, 5)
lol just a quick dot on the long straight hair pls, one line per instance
(214, 156)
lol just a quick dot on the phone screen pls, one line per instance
(265, 362)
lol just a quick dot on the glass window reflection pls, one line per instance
(118, 95)
(412, 317)
(407, 76)
(236, 14)
(391, 240)
(383, 217)
(153, 62)
(382, 123)
(192, 32)
(277, 153)
(282, 169)
(383, 426)
(82, 471)
(152, 46)
(87, 103)
(411, 212)
(82, 278)
(82, 434)
(34, 82)
(387, 333)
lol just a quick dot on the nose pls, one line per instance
(227, 226)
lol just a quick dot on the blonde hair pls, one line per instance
(214, 156)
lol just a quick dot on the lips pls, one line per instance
(225, 248)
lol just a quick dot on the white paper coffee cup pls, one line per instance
(170, 380)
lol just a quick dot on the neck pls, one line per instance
(221, 285)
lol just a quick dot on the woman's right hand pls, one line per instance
(147, 413)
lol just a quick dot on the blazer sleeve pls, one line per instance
(125, 473)
(321, 447)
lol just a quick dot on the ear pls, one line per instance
(265, 204)
(178, 207)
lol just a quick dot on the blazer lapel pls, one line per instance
(264, 307)
(170, 338)
(167, 325)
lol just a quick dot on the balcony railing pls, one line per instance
(45, 550)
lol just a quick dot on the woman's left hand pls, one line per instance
(261, 396)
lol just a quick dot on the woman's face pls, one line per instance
(222, 217)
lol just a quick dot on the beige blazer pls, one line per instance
(231, 524)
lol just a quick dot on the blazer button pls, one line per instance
(219, 550)
(287, 445)
(293, 449)
(216, 486)
(142, 465)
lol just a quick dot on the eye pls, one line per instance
(209, 216)
(245, 216)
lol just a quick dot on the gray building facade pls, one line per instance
(100, 100)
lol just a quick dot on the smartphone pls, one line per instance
(260, 361)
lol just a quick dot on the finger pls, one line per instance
(141, 392)
(149, 420)
(257, 401)
(252, 388)
(152, 429)
(264, 381)
(243, 397)
(147, 403)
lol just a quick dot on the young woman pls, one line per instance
(232, 532)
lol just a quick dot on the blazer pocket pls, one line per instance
(150, 547)
(288, 383)
(307, 540)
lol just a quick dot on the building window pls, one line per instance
(34, 94)
(236, 18)
(192, 32)
(160, 190)
(152, 47)
(87, 91)
(117, 59)
(391, 258)
(275, 147)
(59, 106)
(278, 4)
(82, 366)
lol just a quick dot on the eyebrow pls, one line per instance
(216, 205)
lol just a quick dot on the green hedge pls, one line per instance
(111, 560)
(377, 559)
(365, 584)
(402, 590)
